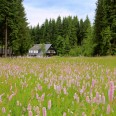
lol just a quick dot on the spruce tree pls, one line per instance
(15, 29)
(105, 27)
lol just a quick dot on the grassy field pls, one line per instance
(58, 86)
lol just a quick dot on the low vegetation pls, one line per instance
(58, 86)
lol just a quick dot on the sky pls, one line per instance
(39, 10)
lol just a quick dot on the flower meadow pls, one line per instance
(58, 86)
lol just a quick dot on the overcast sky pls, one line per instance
(38, 10)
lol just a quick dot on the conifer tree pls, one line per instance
(105, 27)
(12, 17)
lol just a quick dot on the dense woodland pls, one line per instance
(70, 36)
(14, 30)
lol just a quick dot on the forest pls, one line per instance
(70, 36)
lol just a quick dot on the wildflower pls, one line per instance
(93, 83)
(10, 97)
(44, 111)
(64, 114)
(103, 98)
(29, 107)
(94, 100)
(87, 99)
(81, 91)
(42, 97)
(39, 87)
(49, 104)
(3, 110)
(100, 99)
(83, 114)
(76, 97)
(111, 91)
(108, 109)
(30, 113)
(37, 96)
(97, 97)
(36, 109)
(65, 91)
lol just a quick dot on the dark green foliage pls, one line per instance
(18, 33)
(87, 43)
(105, 27)
(68, 35)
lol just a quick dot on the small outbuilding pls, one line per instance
(39, 50)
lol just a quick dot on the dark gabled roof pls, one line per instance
(38, 47)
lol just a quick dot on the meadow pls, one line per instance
(58, 86)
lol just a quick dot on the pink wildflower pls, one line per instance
(93, 83)
(111, 91)
(44, 111)
(29, 107)
(97, 97)
(87, 99)
(42, 97)
(10, 97)
(39, 87)
(65, 91)
(83, 114)
(108, 109)
(37, 96)
(64, 114)
(94, 100)
(100, 98)
(76, 97)
(30, 113)
(3, 110)
(103, 99)
(49, 104)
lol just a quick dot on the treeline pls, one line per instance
(14, 31)
(69, 36)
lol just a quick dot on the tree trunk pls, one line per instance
(6, 37)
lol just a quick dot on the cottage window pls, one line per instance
(48, 51)
(52, 51)
(30, 51)
(35, 51)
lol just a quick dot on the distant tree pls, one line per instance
(81, 32)
(67, 35)
(87, 44)
(59, 26)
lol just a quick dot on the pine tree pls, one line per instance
(81, 32)
(105, 27)
(87, 44)
(98, 27)
(15, 28)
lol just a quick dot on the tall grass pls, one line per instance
(58, 86)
